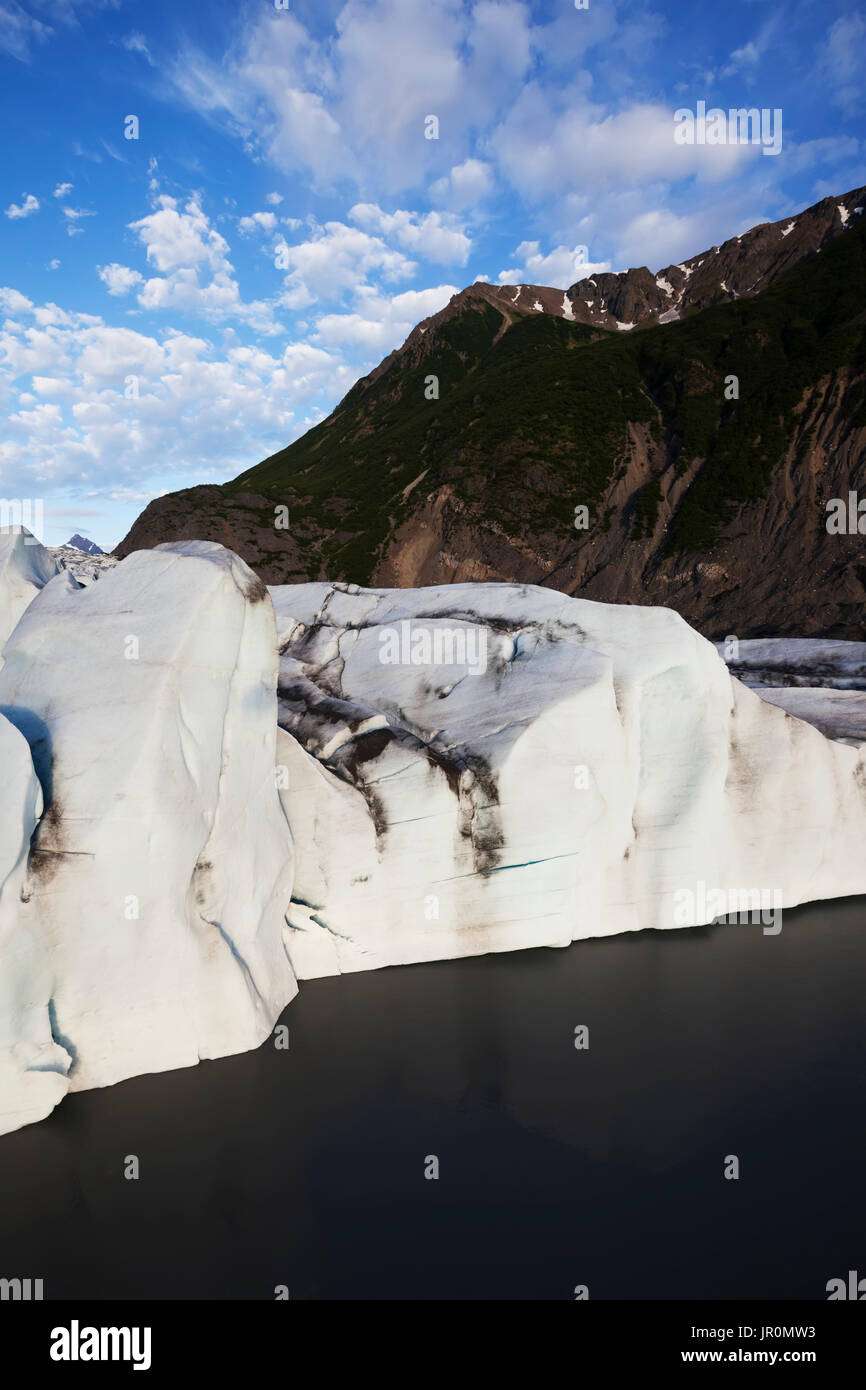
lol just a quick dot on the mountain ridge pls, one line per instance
(539, 412)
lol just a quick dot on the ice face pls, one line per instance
(213, 790)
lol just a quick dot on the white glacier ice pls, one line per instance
(146, 925)
(25, 567)
(600, 764)
(213, 790)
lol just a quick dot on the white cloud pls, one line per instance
(136, 43)
(431, 235)
(335, 259)
(62, 190)
(826, 151)
(18, 30)
(25, 209)
(743, 59)
(265, 221)
(174, 239)
(559, 269)
(119, 278)
(465, 186)
(53, 265)
(353, 106)
(274, 199)
(13, 302)
(546, 147)
(197, 409)
(74, 216)
(658, 237)
(840, 60)
(378, 323)
(198, 277)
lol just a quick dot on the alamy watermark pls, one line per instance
(21, 1290)
(846, 518)
(738, 126)
(77, 1343)
(700, 905)
(26, 512)
(416, 645)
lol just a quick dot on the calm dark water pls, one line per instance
(558, 1167)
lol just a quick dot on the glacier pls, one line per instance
(214, 791)
(25, 568)
(603, 767)
(142, 909)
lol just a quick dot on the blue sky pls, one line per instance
(179, 305)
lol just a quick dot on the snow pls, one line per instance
(539, 306)
(82, 543)
(516, 294)
(626, 327)
(843, 213)
(669, 316)
(149, 917)
(687, 269)
(664, 284)
(790, 227)
(567, 310)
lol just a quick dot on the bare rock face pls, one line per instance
(144, 912)
(480, 768)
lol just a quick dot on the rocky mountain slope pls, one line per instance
(705, 445)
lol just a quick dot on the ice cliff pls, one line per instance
(142, 921)
(212, 790)
(595, 766)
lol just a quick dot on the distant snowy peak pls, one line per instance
(77, 542)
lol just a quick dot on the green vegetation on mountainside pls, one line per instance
(534, 420)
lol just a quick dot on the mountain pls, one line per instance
(547, 401)
(77, 542)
